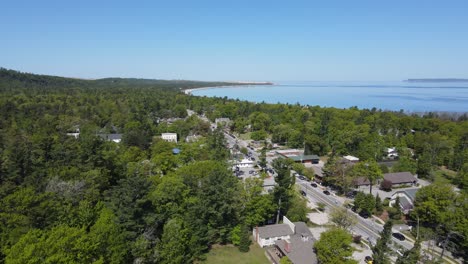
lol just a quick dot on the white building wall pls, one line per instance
(170, 137)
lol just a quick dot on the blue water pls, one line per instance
(410, 97)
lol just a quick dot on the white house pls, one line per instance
(245, 163)
(351, 159)
(267, 235)
(392, 153)
(169, 137)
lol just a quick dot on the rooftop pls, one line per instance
(304, 157)
(275, 231)
(298, 249)
(400, 177)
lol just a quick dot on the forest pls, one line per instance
(86, 200)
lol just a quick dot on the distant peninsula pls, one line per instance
(438, 80)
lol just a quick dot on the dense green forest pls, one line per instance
(85, 200)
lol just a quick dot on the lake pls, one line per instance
(411, 97)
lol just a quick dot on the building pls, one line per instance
(350, 159)
(400, 178)
(318, 173)
(313, 159)
(406, 197)
(361, 181)
(245, 163)
(169, 137)
(298, 156)
(392, 153)
(223, 121)
(293, 240)
(117, 138)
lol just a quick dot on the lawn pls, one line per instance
(230, 254)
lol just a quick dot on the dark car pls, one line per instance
(326, 192)
(303, 193)
(368, 259)
(302, 178)
(250, 172)
(399, 236)
(253, 159)
(364, 214)
(314, 185)
(351, 194)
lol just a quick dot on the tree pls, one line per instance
(284, 182)
(378, 204)
(334, 246)
(285, 260)
(244, 241)
(386, 185)
(342, 218)
(173, 247)
(369, 169)
(380, 250)
(411, 256)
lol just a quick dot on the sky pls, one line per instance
(237, 40)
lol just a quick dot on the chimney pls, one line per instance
(287, 246)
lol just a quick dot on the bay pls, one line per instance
(395, 96)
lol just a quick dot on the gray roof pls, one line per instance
(302, 229)
(304, 157)
(361, 181)
(405, 204)
(274, 231)
(318, 171)
(411, 193)
(110, 136)
(400, 177)
(300, 251)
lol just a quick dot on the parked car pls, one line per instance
(351, 194)
(399, 236)
(368, 260)
(251, 172)
(364, 214)
(303, 193)
(314, 185)
(302, 178)
(326, 192)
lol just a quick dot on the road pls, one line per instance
(367, 228)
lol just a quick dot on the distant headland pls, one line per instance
(438, 80)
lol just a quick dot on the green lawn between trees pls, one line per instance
(229, 254)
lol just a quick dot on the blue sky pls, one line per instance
(237, 40)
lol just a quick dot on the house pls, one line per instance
(318, 173)
(298, 156)
(406, 197)
(193, 138)
(350, 159)
(169, 137)
(293, 240)
(313, 159)
(117, 138)
(400, 178)
(361, 181)
(245, 163)
(224, 121)
(392, 153)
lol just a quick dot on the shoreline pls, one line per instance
(240, 84)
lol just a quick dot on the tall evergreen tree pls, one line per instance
(380, 250)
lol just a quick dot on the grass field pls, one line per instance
(230, 254)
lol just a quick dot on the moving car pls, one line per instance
(368, 260)
(326, 192)
(399, 236)
(302, 177)
(303, 193)
(314, 185)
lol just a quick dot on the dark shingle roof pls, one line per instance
(274, 231)
(300, 251)
(361, 181)
(400, 177)
(111, 136)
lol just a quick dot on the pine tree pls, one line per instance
(244, 244)
(381, 249)
(411, 256)
(378, 204)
